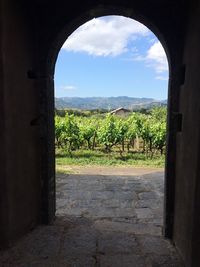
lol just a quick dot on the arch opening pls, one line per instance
(54, 48)
(153, 53)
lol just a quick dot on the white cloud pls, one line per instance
(106, 36)
(110, 36)
(152, 40)
(156, 58)
(68, 87)
(162, 78)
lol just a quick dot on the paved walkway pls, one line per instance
(105, 218)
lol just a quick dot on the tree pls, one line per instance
(159, 136)
(132, 131)
(59, 129)
(107, 134)
(159, 114)
(71, 134)
(121, 130)
(88, 132)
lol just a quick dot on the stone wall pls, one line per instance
(20, 140)
(31, 35)
(186, 232)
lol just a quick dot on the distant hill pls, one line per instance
(109, 103)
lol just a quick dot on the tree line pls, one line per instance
(113, 132)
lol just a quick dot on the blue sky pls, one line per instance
(112, 56)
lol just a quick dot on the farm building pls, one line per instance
(120, 111)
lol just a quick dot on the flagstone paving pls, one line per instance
(105, 218)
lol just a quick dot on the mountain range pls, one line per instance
(108, 103)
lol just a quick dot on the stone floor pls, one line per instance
(103, 220)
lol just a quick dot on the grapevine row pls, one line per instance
(111, 131)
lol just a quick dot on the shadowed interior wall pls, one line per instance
(30, 38)
(20, 143)
(186, 236)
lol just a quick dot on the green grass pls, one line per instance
(62, 169)
(99, 158)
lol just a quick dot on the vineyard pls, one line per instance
(106, 134)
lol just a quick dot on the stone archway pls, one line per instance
(61, 36)
(31, 35)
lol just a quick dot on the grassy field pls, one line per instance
(99, 158)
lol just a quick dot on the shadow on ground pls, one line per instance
(102, 220)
